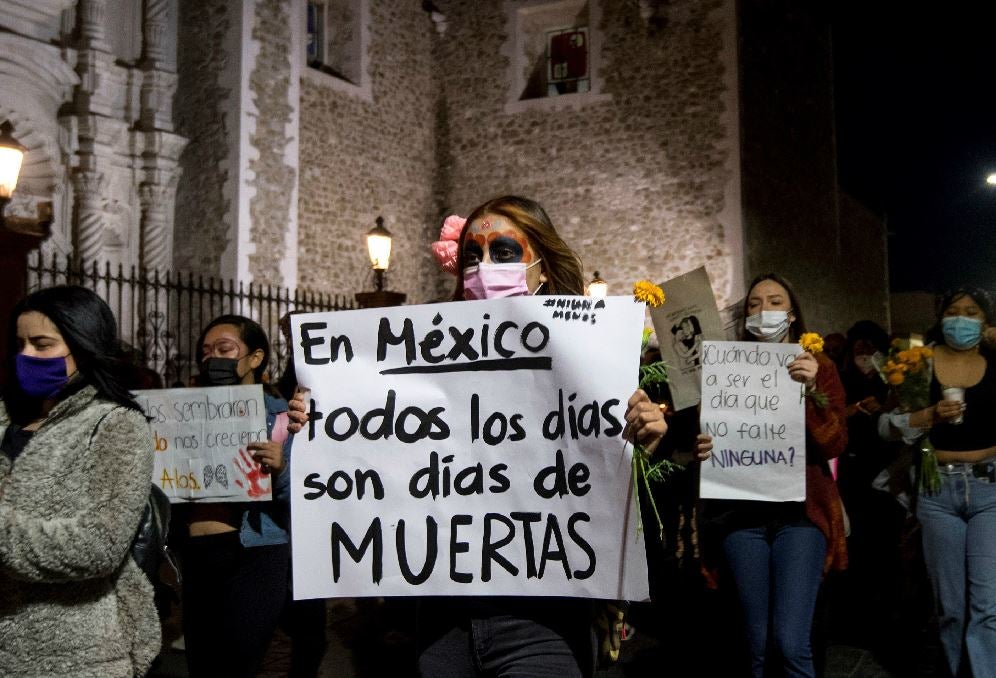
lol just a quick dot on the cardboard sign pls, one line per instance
(200, 438)
(757, 418)
(687, 319)
(468, 448)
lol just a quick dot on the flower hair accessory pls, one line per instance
(445, 249)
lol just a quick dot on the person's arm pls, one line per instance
(644, 422)
(896, 425)
(116, 476)
(274, 456)
(281, 484)
(826, 425)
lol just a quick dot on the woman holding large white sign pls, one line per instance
(509, 247)
(778, 551)
(236, 558)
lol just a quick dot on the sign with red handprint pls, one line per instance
(255, 479)
(201, 437)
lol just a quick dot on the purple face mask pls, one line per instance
(40, 377)
(494, 281)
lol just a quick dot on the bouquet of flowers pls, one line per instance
(907, 370)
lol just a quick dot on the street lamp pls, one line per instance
(11, 155)
(991, 179)
(379, 249)
(598, 288)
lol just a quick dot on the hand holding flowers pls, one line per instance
(907, 370)
(805, 366)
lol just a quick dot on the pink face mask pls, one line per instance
(494, 281)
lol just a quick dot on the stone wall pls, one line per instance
(203, 211)
(363, 158)
(640, 184)
(273, 175)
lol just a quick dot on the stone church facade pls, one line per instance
(258, 140)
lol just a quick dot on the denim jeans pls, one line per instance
(777, 570)
(959, 547)
(552, 644)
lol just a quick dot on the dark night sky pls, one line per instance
(916, 130)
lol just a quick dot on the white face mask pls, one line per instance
(770, 326)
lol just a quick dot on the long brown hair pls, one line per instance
(798, 326)
(560, 263)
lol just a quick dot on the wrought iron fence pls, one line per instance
(160, 314)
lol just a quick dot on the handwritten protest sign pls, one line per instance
(200, 437)
(469, 448)
(756, 416)
(687, 319)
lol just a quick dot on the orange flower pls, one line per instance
(811, 342)
(896, 378)
(646, 291)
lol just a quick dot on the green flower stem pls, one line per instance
(644, 471)
(653, 373)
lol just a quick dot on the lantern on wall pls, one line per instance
(379, 250)
(598, 288)
(11, 155)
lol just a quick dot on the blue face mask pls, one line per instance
(961, 332)
(40, 377)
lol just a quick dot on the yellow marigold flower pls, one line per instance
(646, 291)
(811, 342)
(896, 378)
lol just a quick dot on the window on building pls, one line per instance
(567, 61)
(554, 45)
(335, 40)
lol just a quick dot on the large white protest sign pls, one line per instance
(201, 436)
(469, 448)
(755, 413)
(687, 319)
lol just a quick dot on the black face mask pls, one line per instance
(220, 372)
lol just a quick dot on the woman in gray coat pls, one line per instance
(75, 472)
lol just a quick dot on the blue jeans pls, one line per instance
(959, 548)
(510, 641)
(777, 570)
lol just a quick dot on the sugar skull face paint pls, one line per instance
(495, 240)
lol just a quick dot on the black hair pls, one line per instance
(89, 329)
(251, 334)
(796, 329)
(870, 331)
(935, 334)
(691, 318)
